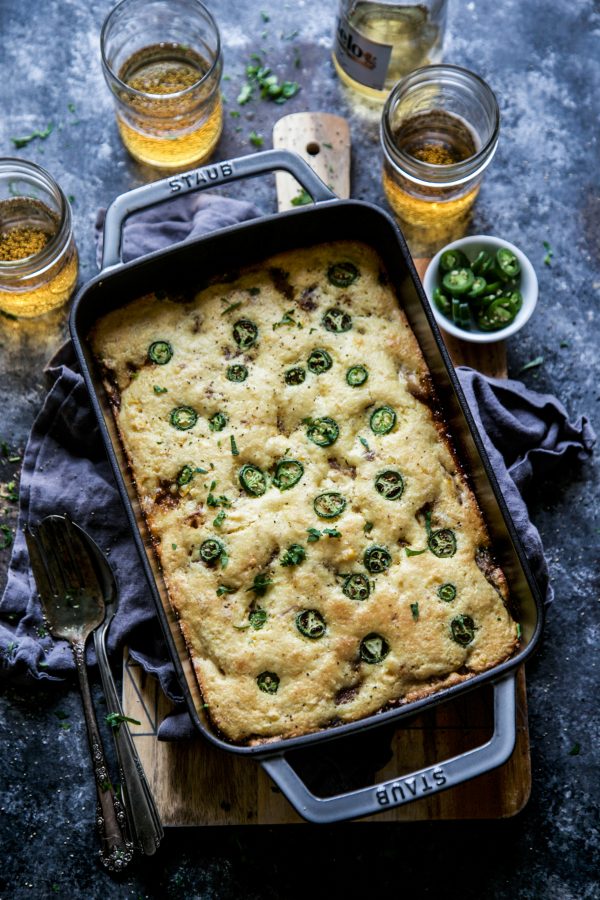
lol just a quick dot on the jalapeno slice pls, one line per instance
(463, 630)
(253, 480)
(442, 543)
(295, 375)
(185, 475)
(377, 559)
(482, 263)
(288, 472)
(336, 320)
(257, 618)
(447, 592)
(160, 352)
(374, 648)
(479, 287)
(342, 274)
(382, 420)
(319, 361)
(357, 375)
(507, 264)
(268, 682)
(329, 505)
(356, 587)
(458, 281)
(237, 373)
(323, 432)
(211, 551)
(442, 302)
(218, 421)
(453, 259)
(183, 418)
(245, 333)
(311, 624)
(390, 484)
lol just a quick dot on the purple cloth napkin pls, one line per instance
(65, 470)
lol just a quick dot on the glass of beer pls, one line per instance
(38, 257)
(162, 61)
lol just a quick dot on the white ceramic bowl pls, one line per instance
(471, 246)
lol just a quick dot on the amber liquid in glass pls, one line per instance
(169, 131)
(26, 227)
(431, 216)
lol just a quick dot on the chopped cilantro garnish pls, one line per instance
(159, 390)
(223, 589)
(332, 532)
(301, 199)
(368, 527)
(219, 518)
(285, 320)
(549, 254)
(313, 535)
(261, 584)
(364, 443)
(231, 307)
(410, 552)
(42, 135)
(6, 538)
(115, 720)
(414, 608)
(257, 140)
(234, 449)
(245, 94)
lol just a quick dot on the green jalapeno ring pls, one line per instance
(160, 352)
(458, 281)
(336, 320)
(218, 421)
(342, 274)
(245, 333)
(374, 648)
(253, 480)
(183, 418)
(382, 420)
(482, 263)
(463, 630)
(389, 484)
(329, 505)
(288, 472)
(356, 586)
(453, 259)
(268, 682)
(357, 375)
(447, 592)
(323, 432)
(311, 624)
(211, 550)
(507, 264)
(377, 559)
(442, 302)
(237, 373)
(296, 375)
(442, 543)
(185, 475)
(319, 361)
(257, 618)
(479, 287)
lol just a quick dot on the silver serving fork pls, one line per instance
(73, 607)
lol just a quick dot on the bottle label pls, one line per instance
(363, 60)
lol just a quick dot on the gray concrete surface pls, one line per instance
(541, 57)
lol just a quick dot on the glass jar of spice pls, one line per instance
(38, 257)
(439, 132)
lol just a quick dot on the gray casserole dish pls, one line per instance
(248, 243)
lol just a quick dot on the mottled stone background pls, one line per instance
(542, 59)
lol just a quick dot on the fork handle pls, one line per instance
(116, 850)
(144, 822)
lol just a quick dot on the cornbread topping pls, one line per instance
(320, 545)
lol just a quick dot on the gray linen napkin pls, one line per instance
(65, 470)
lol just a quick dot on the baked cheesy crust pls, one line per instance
(282, 650)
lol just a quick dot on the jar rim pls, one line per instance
(439, 174)
(36, 263)
(145, 94)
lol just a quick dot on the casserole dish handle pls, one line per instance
(414, 786)
(199, 180)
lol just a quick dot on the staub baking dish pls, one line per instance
(179, 266)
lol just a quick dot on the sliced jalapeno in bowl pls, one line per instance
(458, 281)
(453, 259)
(507, 264)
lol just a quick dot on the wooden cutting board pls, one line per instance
(196, 784)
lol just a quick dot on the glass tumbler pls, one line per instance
(162, 61)
(38, 257)
(439, 132)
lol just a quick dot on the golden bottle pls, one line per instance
(377, 43)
